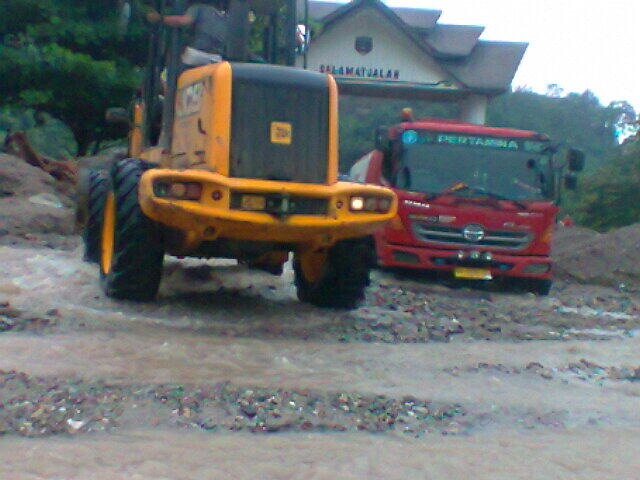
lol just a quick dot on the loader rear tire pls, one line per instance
(132, 249)
(336, 278)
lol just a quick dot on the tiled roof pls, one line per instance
(319, 10)
(453, 40)
(491, 66)
(418, 17)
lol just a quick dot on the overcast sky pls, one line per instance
(578, 44)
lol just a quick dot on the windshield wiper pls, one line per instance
(452, 189)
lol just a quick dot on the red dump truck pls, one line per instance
(475, 201)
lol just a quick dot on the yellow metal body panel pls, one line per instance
(154, 155)
(333, 131)
(202, 129)
(135, 137)
(209, 219)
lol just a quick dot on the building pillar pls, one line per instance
(474, 109)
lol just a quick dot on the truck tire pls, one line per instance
(132, 252)
(540, 287)
(98, 185)
(336, 278)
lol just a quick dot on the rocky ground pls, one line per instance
(227, 358)
(228, 376)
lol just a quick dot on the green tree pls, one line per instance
(610, 197)
(577, 119)
(68, 58)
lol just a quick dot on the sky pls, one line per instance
(577, 44)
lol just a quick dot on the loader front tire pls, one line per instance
(132, 252)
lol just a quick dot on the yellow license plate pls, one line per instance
(472, 274)
(253, 202)
(281, 133)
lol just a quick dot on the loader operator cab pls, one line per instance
(257, 31)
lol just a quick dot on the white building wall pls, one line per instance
(392, 51)
(474, 109)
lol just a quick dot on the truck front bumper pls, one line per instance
(219, 213)
(500, 265)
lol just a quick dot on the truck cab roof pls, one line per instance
(455, 126)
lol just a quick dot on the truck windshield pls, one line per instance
(513, 169)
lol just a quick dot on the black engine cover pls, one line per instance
(265, 96)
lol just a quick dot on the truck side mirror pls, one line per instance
(382, 139)
(575, 160)
(571, 182)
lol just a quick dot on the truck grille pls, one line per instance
(454, 237)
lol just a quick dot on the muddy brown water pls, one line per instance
(170, 455)
(222, 323)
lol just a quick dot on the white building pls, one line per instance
(376, 50)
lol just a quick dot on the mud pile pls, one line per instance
(33, 205)
(610, 259)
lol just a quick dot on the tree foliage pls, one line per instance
(577, 119)
(610, 197)
(69, 59)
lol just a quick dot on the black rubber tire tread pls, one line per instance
(99, 184)
(540, 287)
(138, 254)
(344, 279)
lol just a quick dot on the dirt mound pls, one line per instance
(606, 259)
(31, 202)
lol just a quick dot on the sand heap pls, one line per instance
(608, 259)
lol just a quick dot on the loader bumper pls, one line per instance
(261, 210)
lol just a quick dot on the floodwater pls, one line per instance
(218, 323)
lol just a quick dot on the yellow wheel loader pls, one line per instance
(236, 159)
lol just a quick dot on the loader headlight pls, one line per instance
(357, 204)
(370, 204)
(384, 205)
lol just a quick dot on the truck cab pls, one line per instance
(475, 201)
